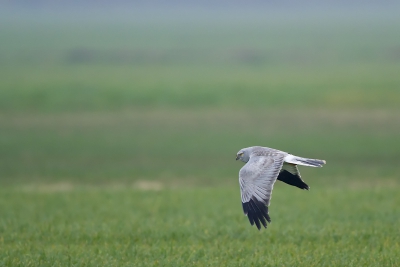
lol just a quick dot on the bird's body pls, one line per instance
(257, 177)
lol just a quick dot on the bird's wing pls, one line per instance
(291, 175)
(257, 178)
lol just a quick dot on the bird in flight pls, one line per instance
(263, 167)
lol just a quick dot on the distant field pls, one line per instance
(250, 60)
(109, 88)
(192, 147)
(118, 138)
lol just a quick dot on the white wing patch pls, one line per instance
(292, 168)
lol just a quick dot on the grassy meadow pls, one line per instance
(118, 135)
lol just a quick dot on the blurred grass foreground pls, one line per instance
(118, 132)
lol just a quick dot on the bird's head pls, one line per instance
(243, 155)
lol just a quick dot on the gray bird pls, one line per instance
(257, 177)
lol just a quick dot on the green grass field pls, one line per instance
(356, 226)
(118, 137)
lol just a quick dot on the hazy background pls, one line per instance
(142, 96)
(100, 92)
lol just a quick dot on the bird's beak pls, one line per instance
(237, 157)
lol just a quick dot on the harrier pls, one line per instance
(257, 177)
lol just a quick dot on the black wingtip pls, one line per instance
(257, 213)
(292, 179)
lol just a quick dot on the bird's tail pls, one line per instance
(304, 161)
